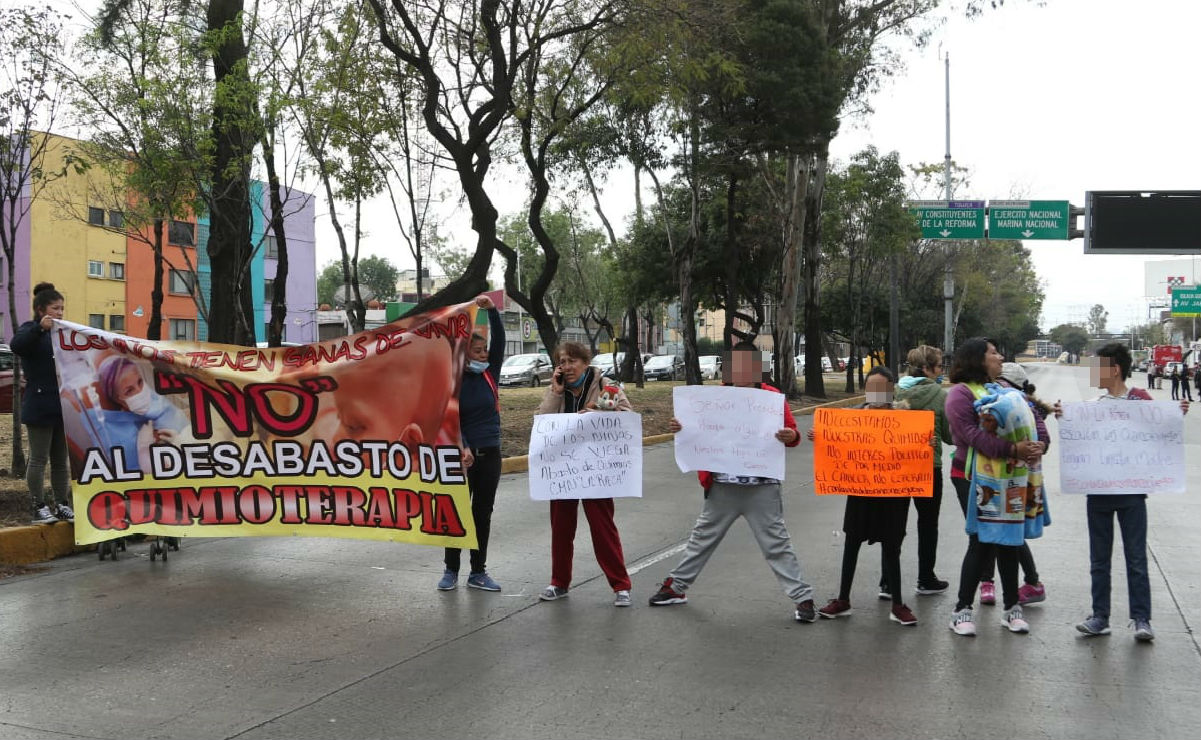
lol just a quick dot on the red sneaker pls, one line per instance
(666, 595)
(988, 593)
(836, 608)
(902, 614)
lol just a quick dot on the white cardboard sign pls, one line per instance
(597, 454)
(1121, 446)
(726, 429)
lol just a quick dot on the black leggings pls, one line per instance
(977, 552)
(482, 477)
(890, 559)
(988, 560)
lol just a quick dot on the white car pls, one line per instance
(799, 365)
(531, 370)
(710, 367)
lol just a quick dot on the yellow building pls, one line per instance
(77, 241)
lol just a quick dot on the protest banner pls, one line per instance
(873, 452)
(597, 454)
(729, 429)
(356, 437)
(1120, 446)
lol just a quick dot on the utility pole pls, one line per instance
(948, 280)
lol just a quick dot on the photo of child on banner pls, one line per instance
(353, 437)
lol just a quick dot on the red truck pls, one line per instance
(1162, 354)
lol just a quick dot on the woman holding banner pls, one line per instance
(479, 425)
(977, 362)
(574, 387)
(40, 409)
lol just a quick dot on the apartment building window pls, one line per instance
(116, 270)
(181, 233)
(181, 283)
(96, 320)
(268, 290)
(183, 329)
(95, 216)
(116, 219)
(116, 322)
(272, 247)
(95, 268)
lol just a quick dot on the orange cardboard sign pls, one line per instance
(873, 452)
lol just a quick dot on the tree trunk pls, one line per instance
(229, 239)
(154, 330)
(795, 189)
(811, 240)
(279, 296)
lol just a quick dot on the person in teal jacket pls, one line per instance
(922, 390)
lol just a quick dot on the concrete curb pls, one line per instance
(37, 543)
(41, 542)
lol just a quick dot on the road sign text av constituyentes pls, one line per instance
(949, 219)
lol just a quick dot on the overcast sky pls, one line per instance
(1047, 102)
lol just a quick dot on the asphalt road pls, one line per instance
(312, 638)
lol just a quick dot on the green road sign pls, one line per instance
(1028, 219)
(1186, 302)
(949, 219)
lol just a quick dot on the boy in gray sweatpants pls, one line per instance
(758, 500)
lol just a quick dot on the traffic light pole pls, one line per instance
(948, 282)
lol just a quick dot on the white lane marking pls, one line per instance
(652, 559)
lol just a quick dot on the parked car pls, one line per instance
(6, 379)
(664, 367)
(799, 365)
(531, 370)
(607, 362)
(710, 367)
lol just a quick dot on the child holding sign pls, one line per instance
(1110, 374)
(756, 499)
(874, 519)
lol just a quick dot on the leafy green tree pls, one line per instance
(31, 97)
(1097, 316)
(1072, 338)
(147, 120)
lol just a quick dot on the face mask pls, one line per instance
(476, 366)
(139, 403)
(879, 397)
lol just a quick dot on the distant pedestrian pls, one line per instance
(479, 425)
(1131, 511)
(573, 388)
(1197, 379)
(40, 410)
(1174, 374)
(1186, 382)
(873, 519)
(1151, 375)
(756, 499)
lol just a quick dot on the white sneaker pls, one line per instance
(963, 622)
(621, 598)
(1012, 619)
(43, 515)
(65, 513)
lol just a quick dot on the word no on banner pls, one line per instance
(1120, 446)
(597, 454)
(873, 452)
(194, 439)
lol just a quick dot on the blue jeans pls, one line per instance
(1132, 518)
